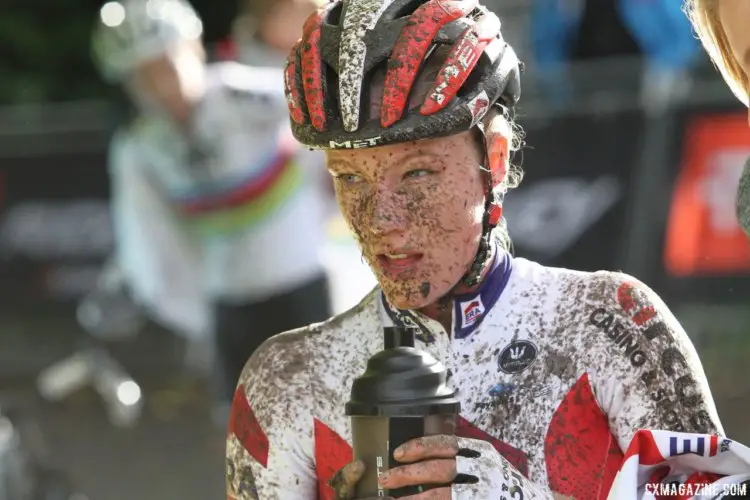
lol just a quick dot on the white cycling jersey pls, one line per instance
(556, 369)
(228, 210)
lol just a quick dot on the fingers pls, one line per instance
(427, 447)
(345, 479)
(440, 471)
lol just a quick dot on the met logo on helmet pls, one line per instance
(471, 311)
(360, 143)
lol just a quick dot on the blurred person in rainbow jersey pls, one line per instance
(262, 34)
(722, 26)
(218, 224)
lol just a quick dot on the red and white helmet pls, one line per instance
(350, 80)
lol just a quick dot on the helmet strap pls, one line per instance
(494, 152)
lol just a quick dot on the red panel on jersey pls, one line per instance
(332, 452)
(579, 448)
(244, 425)
(516, 457)
(646, 449)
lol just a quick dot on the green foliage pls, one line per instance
(44, 51)
(45, 48)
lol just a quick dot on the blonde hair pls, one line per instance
(704, 14)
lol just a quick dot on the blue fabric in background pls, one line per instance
(660, 28)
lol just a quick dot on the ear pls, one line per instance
(497, 155)
(498, 158)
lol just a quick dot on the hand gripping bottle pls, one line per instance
(402, 395)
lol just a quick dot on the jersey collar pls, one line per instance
(469, 310)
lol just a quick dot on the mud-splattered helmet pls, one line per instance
(332, 81)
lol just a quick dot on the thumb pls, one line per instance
(345, 479)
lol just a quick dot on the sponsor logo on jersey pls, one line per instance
(471, 311)
(502, 389)
(667, 377)
(517, 356)
(505, 390)
(621, 334)
(633, 301)
(698, 445)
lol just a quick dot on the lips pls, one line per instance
(396, 264)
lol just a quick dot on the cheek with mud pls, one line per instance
(440, 218)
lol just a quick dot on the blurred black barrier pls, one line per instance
(570, 209)
(54, 215)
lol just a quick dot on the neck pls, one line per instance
(442, 309)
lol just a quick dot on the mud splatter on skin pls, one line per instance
(424, 197)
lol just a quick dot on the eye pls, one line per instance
(348, 178)
(417, 172)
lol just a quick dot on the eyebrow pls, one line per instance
(338, 163)
(419, 153)
(343, 164)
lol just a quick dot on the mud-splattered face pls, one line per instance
(416, 210)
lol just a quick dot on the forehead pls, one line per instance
(459, 146)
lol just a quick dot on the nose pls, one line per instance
(387, 213)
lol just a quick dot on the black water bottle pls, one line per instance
(403, 394)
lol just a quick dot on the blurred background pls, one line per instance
(634, 151)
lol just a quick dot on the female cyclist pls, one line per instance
(556, 369)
